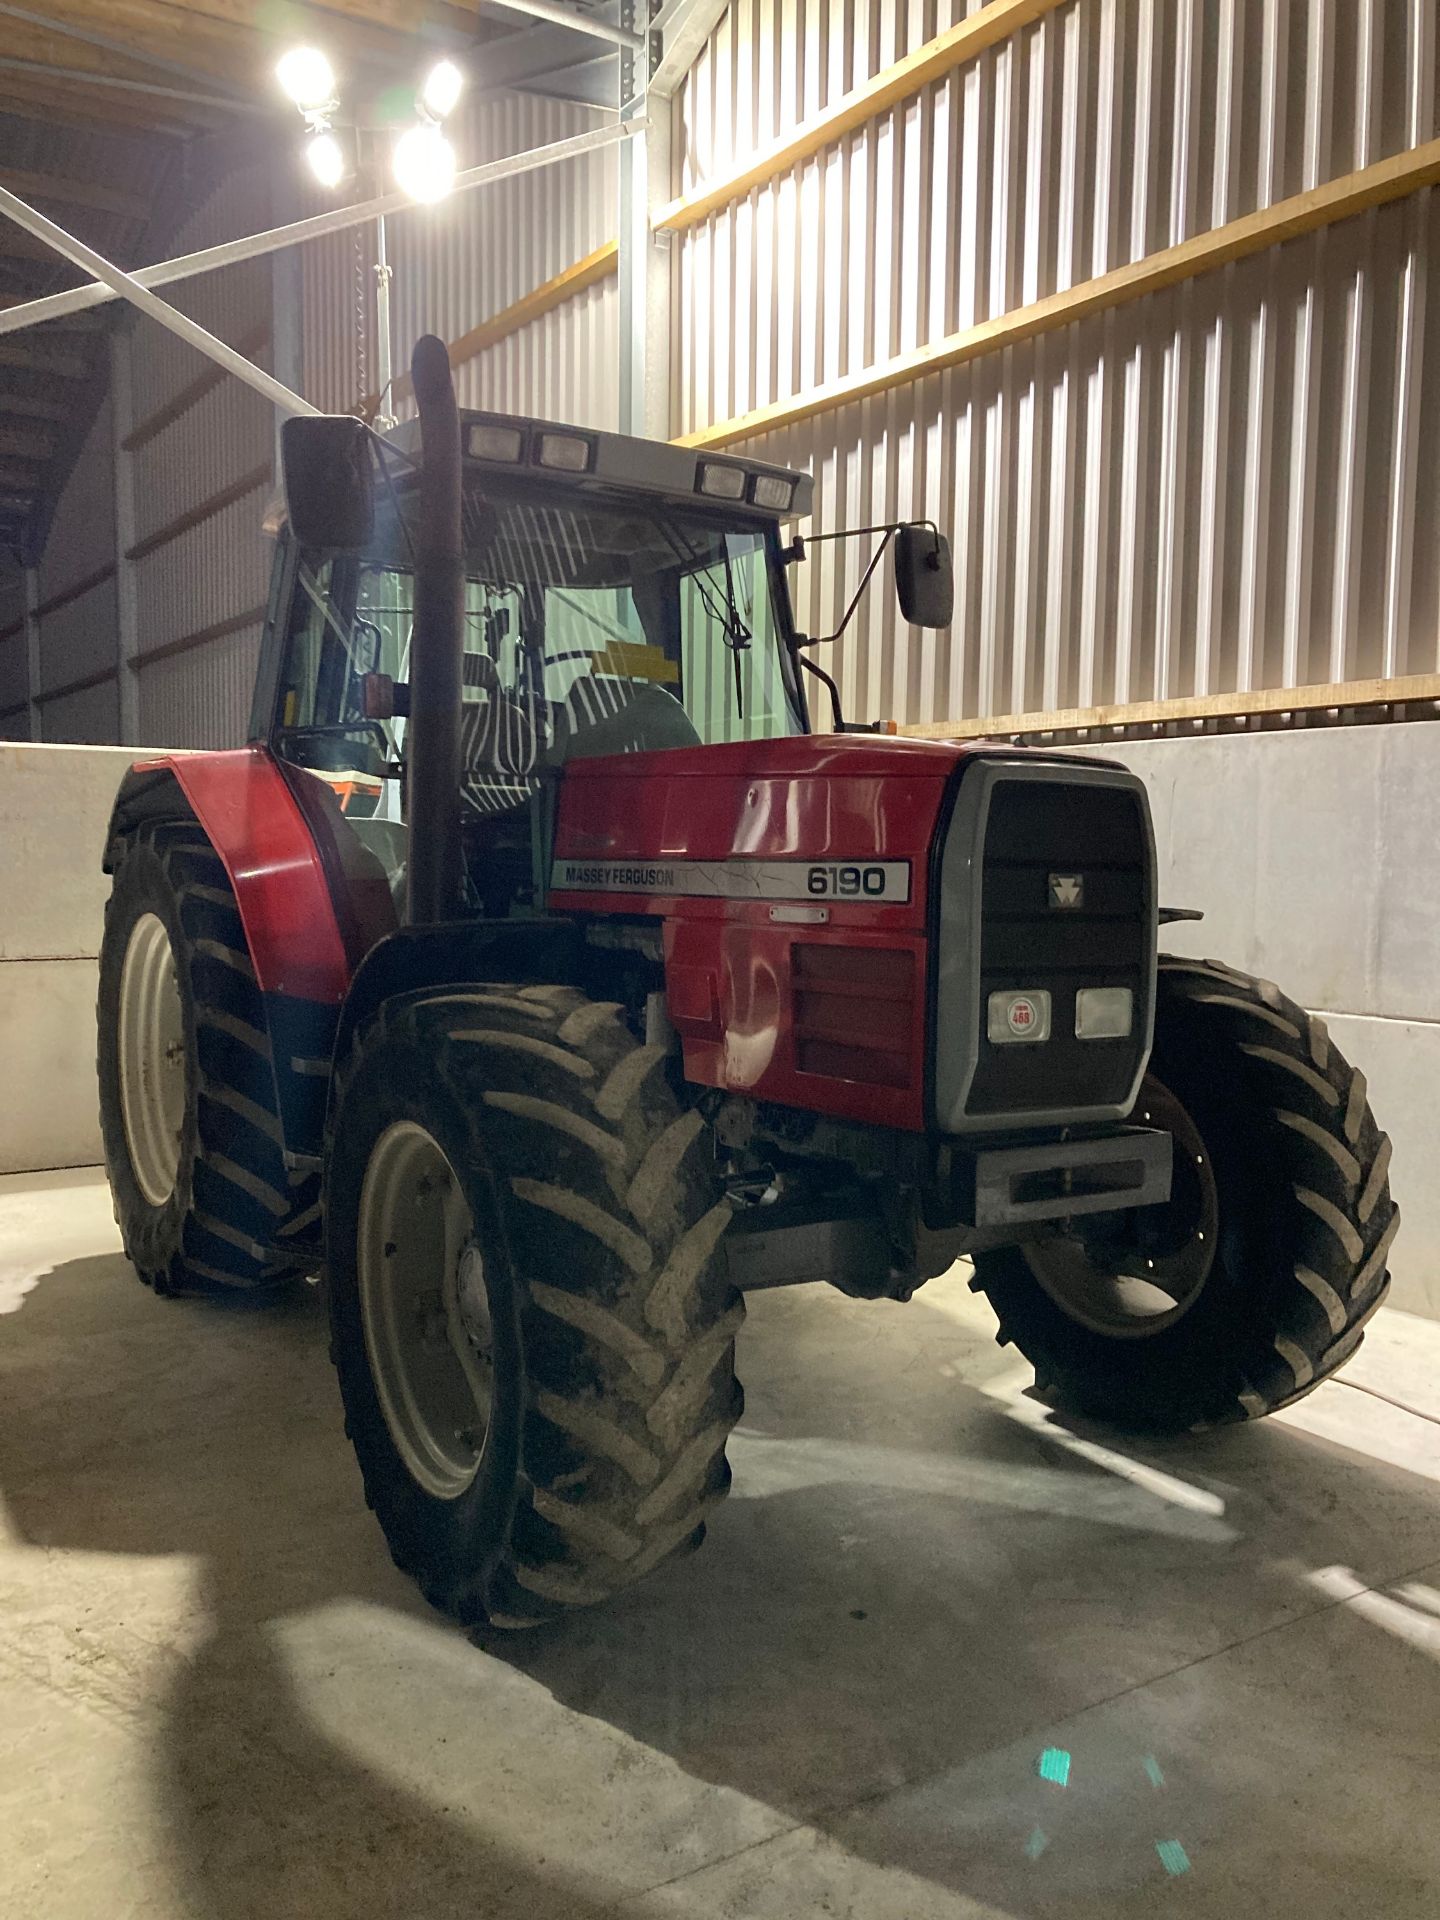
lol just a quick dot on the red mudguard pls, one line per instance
(251, 819)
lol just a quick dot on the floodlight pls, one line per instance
(424, 164)
(307, 78)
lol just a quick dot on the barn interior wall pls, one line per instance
(1220, 487)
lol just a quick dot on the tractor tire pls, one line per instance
(192, 1139)
(532, 1319)
(1273, 1250)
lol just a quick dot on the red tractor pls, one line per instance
(541, 979)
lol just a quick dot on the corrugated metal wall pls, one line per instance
(220, 568)
(454, 266)
(1231, 485)
(457, 264)
(14, 725)
(1227, 486)
(78, 639)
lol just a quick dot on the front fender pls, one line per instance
(249, 815)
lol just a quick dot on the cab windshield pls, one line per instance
(591, 626)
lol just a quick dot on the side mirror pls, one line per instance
(924, 577)
(329, 481)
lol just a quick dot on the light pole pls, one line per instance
(423, 162)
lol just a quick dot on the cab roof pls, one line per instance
(587, 457)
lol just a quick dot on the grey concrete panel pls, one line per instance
(49, 1116)
(54, 805)
(1315, 857)
(1401, 1061)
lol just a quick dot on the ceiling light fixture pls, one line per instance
(424, 164)
(307, 78)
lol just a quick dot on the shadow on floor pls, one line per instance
(907, 1578)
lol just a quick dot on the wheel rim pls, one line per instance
(151, 1045)
(425, 1310)
(1135, 1289)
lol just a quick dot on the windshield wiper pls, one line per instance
(734, 630)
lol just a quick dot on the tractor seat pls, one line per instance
(500, 747)
(604, 713)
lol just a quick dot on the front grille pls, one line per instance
(1095, 835)
(1024, 839)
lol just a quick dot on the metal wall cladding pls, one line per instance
(82, 534)
(219, 569)
(229, 303)
(201, 699)
(458, 263)
(231, 432)
(13, 671)
(1226, 486)
(563, 366)
(212, 574)
(79, 639)
(88, 718)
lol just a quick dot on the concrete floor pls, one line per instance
(218, 1699)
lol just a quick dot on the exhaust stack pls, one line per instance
(433, 801)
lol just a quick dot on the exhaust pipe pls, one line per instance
(432, 813)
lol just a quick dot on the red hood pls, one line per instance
(807, 755)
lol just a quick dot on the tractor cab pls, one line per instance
(617, 597)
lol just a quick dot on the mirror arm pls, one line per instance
(825, 639)
(814, 667)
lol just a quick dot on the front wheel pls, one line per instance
(532, 1321)
(193, 1142)
(1256, 1281)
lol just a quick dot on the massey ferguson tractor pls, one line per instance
(538, 977)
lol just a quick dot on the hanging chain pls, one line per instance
(362, 365)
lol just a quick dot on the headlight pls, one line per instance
(495, 443)
(774, 491)
(723, 482)
(1104, 1013)
(564, 450)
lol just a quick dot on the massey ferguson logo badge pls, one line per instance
(1067, 891)
(1021, 1015)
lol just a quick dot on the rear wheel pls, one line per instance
(1256, 1281)
(532, 1322)
(187, 1102)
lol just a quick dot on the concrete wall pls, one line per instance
(54, 802)
(1316, 859)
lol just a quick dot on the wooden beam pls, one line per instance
(99, 678)
(76, 591)
(202, 511)
(377, 29)
(1196, 709)
(84, 81)
(26, 443)
(236, 623)
(86, 32)
(17, 244)
(74, 193)
(54, 104)
(63, 366)
(1353, 193)
(189, 396)
(933, 61)
(31, 406)
(552, 293)
(50, 46)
